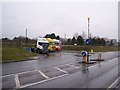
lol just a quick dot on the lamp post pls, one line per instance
(88, 38)
(88, 26)
(26, 36)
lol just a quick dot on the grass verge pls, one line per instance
(12, 53)
(95, 48)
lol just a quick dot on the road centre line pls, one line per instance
(43, 74)
(17, 81)
(24, 86)
(61, 70)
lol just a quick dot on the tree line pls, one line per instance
(78, 40)
(52, 36)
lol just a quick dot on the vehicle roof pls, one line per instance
(49, 39)
(42, 40)
(55, 40)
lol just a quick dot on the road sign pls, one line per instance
(88, 41)
(84, 53)
(27, 49)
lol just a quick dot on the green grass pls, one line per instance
(13, 53)
(95, 48)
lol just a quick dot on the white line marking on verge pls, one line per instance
(114, 83)
(17, 81)
(43, 74)
(43, 81)
(61, 70)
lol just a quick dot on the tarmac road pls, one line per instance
(51, 71)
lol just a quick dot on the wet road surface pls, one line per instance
(51, 71)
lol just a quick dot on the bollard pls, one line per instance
(92, 51)
(84, 56)
(84, 59)
(99, 56)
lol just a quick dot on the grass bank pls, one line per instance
(14, 53)
(95, 48)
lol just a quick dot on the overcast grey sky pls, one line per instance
(41, 18)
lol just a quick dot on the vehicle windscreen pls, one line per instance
(42, 44)
(52, 43)
(57, 44)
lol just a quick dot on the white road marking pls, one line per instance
(114, 83)
(27, 71)
(73, 66)
(24, 86)
(67, 64)
(61, 70)
(60, 65)
(19, 73)
(43, 74)
(76, 67)
(8, 75)
(17, 81)
(102, 63)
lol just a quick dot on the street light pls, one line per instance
(88, 38)
(26, 37)
(88, 26)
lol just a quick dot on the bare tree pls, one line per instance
(91, 36)
(84, 35)
(76, 35)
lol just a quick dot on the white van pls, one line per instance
(42, 46)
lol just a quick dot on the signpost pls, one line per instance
(84, 53)
(88, 41)
(27, 49)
